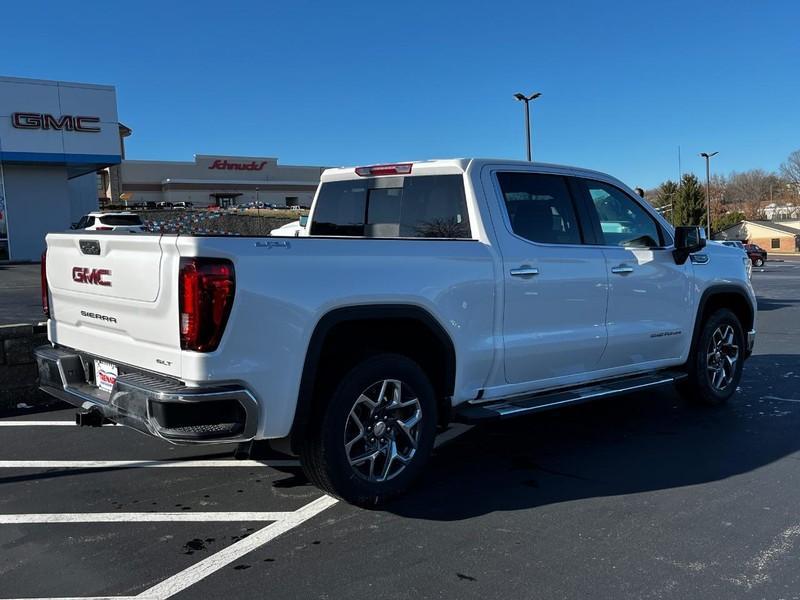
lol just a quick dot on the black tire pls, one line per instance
(700, 385)
(758, 262)
(323, 455)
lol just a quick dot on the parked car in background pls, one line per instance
(739, 245)
(111, 221)
(293, 229)
(164, 204)
(756, 253)
(182, 205)
(733, 244)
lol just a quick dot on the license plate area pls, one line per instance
(105, 375)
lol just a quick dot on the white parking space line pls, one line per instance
(80, 598)
(46, 424)
(140, 517)
(781, 399)
(282, 522)
(215, 562)
(142, 464)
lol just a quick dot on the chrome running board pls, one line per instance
(515, 406)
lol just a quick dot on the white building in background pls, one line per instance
(54, 137)
(781, 212)
(217, 181)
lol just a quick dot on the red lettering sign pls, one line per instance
(233, 166)
(21, 120)
(91, 276)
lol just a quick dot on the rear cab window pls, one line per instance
(413, 206)
(120, 220)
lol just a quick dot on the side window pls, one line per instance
(540, 207)
(622, 221)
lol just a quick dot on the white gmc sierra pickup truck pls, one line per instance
(417, 294)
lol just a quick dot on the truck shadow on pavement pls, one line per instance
(775, 303)
(637, 443)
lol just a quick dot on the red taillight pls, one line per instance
(45, 297)
(104, 229)
(206, 287)
(396, 169)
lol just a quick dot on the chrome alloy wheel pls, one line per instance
(382, 430)
(721, 358)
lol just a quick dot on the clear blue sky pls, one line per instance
(341, 83)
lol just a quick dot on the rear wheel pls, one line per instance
(758, 262)
(376, 432)
(715, 366)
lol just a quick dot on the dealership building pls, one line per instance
(62, 154)
(213, 181)
(54, 138)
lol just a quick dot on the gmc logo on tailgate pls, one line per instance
(91, 276)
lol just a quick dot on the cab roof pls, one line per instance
(444, 166)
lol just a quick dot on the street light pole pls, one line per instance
(708, 156)
(527, 100)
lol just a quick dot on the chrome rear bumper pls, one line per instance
(160, 407)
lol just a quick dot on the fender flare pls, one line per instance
(708, 294)
(337, 316)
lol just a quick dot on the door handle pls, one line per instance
(622, 270)
(524, 271)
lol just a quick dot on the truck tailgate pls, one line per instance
(115, 296)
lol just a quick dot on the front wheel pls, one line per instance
(376, 432)
(715, 365)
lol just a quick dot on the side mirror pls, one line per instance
(687, 241)
(303, 220)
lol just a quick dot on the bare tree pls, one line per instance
(749, 189)
(791, 169)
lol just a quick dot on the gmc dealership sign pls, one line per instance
(235, 166)
(24, 120)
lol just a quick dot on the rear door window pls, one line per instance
(540, 207)
(427, 206)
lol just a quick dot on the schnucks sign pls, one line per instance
(224, 165)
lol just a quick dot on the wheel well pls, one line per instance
(734, 302)
(726, 297)
(345, 337)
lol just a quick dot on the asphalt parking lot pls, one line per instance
(637, 497)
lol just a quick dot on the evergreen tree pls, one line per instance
(726, 220)
(664, 197)
(689, 205)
